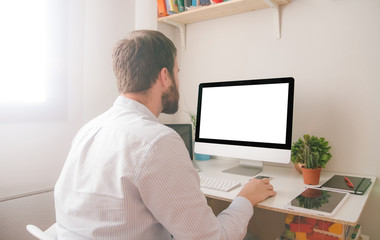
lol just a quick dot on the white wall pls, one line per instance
(331, 48)
(106, 22)
(33, 153)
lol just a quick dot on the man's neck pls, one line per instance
(149, 100)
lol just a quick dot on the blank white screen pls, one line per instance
(251, 113)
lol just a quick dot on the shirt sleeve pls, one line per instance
(170, 188)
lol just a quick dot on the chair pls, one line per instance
(48, 234)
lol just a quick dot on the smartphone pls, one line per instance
(262, 177)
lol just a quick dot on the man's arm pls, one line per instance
(169, 187)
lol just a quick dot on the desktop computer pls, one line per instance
(248, 120)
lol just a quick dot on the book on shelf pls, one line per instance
(181, 5)
(204, 2)
(187, 3)
(172, 6)
(161, 8)
(167, 5)
(342, 183)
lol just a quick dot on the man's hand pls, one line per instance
(257, 190)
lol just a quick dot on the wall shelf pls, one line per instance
(220, 10)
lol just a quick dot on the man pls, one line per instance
(129, 177)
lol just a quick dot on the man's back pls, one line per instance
(98, 194)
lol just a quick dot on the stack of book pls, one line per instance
(169, 7)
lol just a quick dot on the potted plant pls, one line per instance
(312, 153)
(197, 156)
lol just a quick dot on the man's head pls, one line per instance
(138, 60)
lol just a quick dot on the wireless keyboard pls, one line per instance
(219, 183)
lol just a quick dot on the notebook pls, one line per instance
(338, 182)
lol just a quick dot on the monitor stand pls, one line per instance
(246, 168)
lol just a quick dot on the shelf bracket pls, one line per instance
(276, 8)
(182, 31)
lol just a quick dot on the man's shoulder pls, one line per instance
(155, 130)
(130, 122)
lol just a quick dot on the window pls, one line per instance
(33, 60)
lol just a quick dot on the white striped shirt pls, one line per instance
(129, 177)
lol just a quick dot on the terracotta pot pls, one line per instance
(311, 176)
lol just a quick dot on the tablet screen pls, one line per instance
(323, 201)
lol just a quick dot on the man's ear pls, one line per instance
(163, 77)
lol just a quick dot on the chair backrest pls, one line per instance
(48, 234)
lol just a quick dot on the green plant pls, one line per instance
(193, 119)
(311, 151)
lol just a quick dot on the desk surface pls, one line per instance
(287, 183)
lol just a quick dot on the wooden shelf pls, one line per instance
(220, 10)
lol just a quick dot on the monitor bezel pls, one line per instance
(289, 125)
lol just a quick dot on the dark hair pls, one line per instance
(137, 60)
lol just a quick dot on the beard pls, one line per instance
(170, 99)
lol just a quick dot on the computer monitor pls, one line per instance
(248, 120)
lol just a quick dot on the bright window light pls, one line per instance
(23, 51)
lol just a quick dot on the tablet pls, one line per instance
(318, 201)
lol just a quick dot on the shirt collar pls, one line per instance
(130, 103)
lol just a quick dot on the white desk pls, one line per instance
(288, 183)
